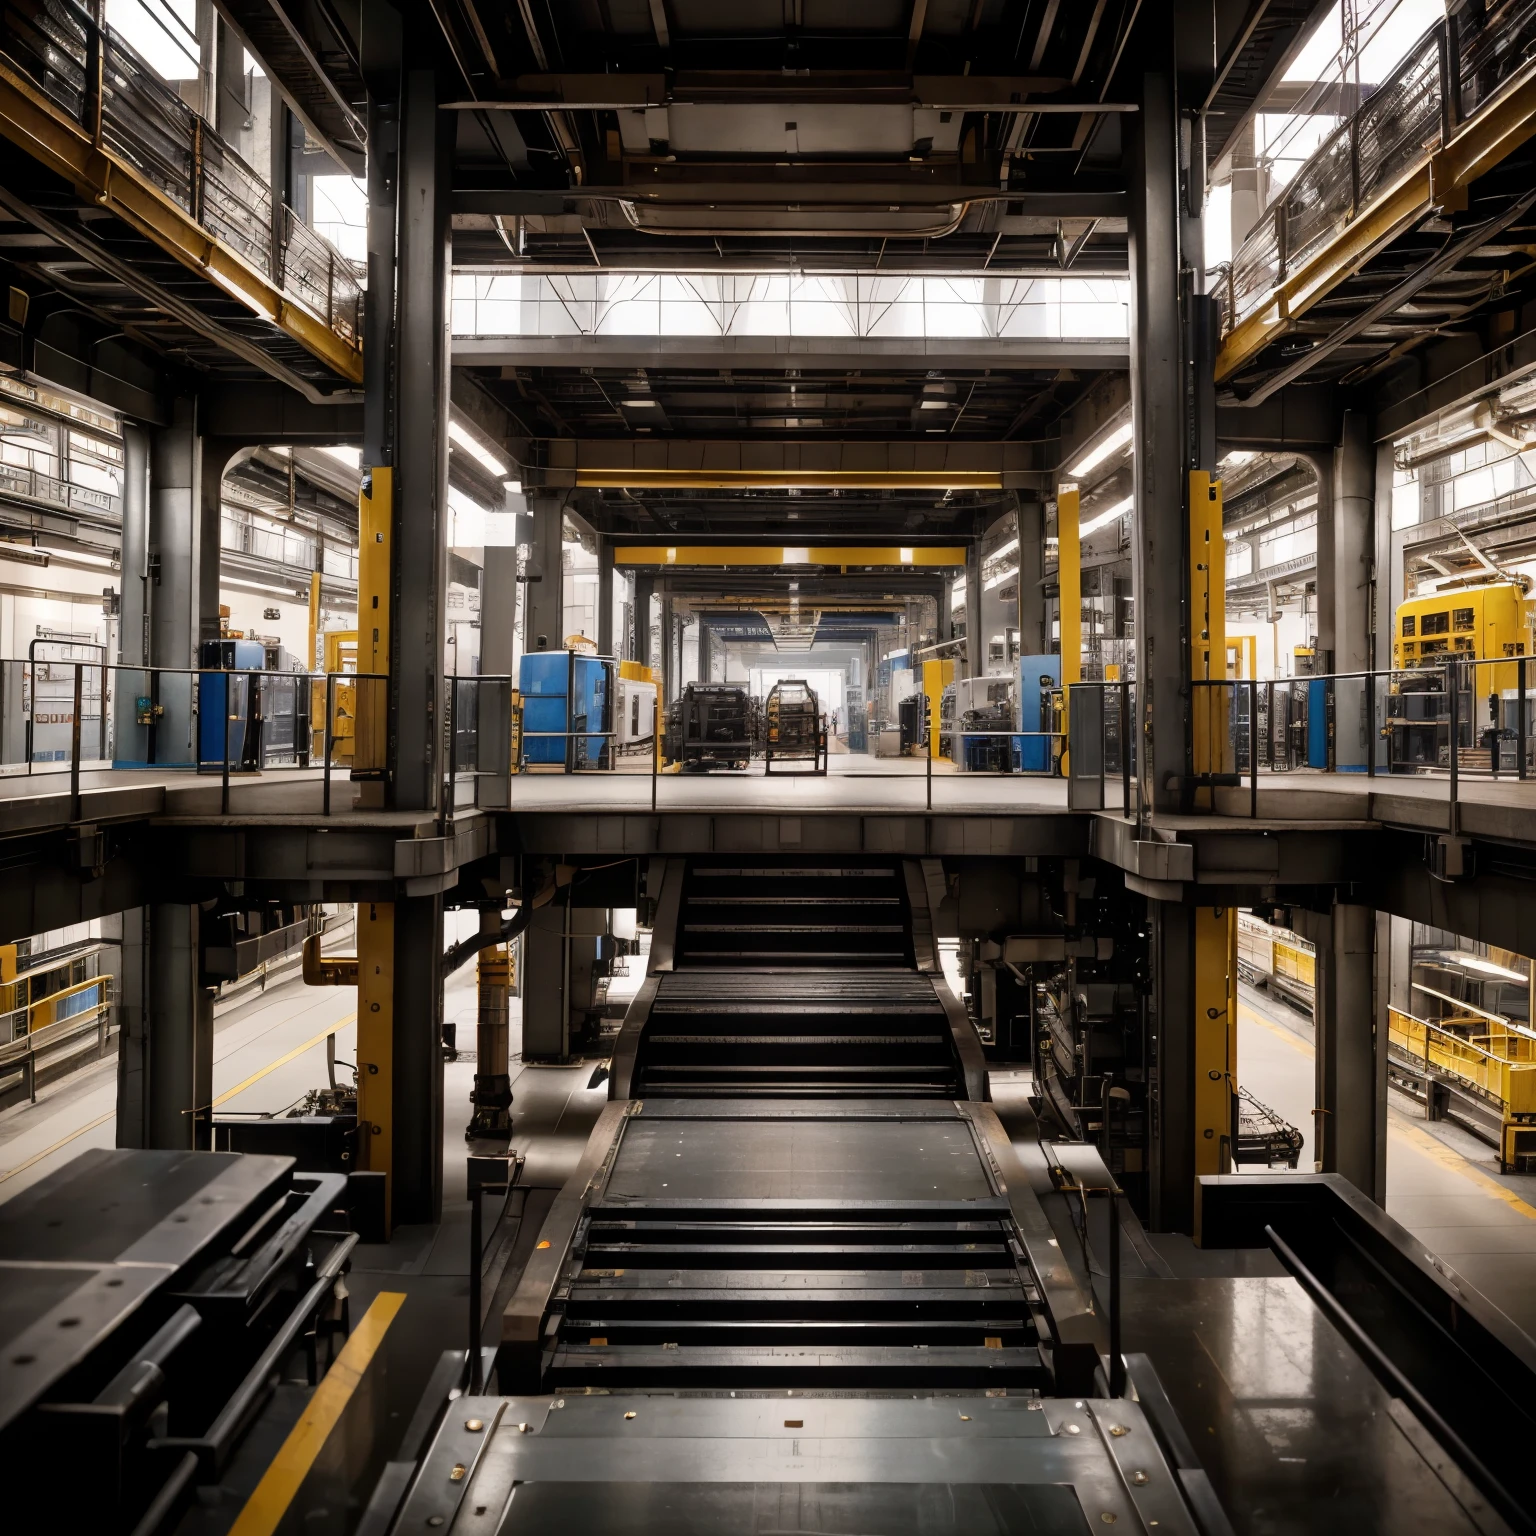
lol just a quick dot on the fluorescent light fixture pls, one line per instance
(639, 405)
(935, 405)
(1102, 450)
(906, 559)
(1106, 517)
(476, 449)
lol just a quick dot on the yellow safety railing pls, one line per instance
(46, 1010)
(1497, 1062)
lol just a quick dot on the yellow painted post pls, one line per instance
(376, 1040)
(314, 621)
(375, 515)
(937, 675)
(1215, 1050)
(1069, 584)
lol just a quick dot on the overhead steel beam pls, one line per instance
(775, 352)
(1066, 202)
(913, 557)
(677, 464)
(36, 126)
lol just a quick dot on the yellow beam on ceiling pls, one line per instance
(937, 479)
(914, 558)
(34, 124)
(1441, 179)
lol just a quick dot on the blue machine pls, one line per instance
(566, 692)
(1039, 677)
(1317, 724)
(227, 703)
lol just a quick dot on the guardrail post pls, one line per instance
(224, 773)
(1455, 742)
(655, 746)
(74, 745)
(1520, 728)
(330, 717)
(1127, 742)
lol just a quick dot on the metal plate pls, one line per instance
(797, 1160)
(140, 1207)
(53, 1315)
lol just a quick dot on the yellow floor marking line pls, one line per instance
(63, 1141)
(1447, 1157)
(282, 1061)
(1420, 1140)
(269, 1502)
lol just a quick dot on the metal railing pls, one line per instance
(1458, 719)
(127, 109)
(1450, 74)
(27, 1052)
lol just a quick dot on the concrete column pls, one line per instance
(1033, 638)
(498, 611)
(606, 639)
(1354, 494)
(544, 984)
(1158, 560)
(645, 585)
(1170, 1033)
(133, 1031)
(546, 610)
(705, 649)
(417, 1063)
(175, 561)
(130, 741)
(422, 373)
(1386, 569)
(1350, 1081)
(165, 1062)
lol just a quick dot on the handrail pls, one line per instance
(83, 68)
(1447, 79)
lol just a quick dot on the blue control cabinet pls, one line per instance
(227, 702)
(568, 694)
(1039, 677)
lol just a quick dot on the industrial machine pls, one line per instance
(708, 727)
(634, 714)
(567, 698)
(987, 713)
(229, 705)
(792, 727)
(1039, 713)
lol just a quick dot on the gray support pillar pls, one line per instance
(1157, 407)
(165, 1074)
(545, 986)
(498, 611)
(133, 1032)
(1171, 1186)
(175, 550)
(645, 586)
(1033, 640)
(1354, 491)
(1386, 570)
(606, 639)
(418, 565)
(546, 601)
(1384, 996)
(669, 653)
(705, 648)
(1322, 470)
(947, 608)
(417, 1181)
(130, 741)
(1348, 1090)
(975, 637)
(215, 459)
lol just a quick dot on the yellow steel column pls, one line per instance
(1069, 584)
(375, 515)
(1211, 750)
(1215, 1052)
(375, 1039)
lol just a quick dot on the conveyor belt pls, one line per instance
(793, 980)
(761, 1243)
